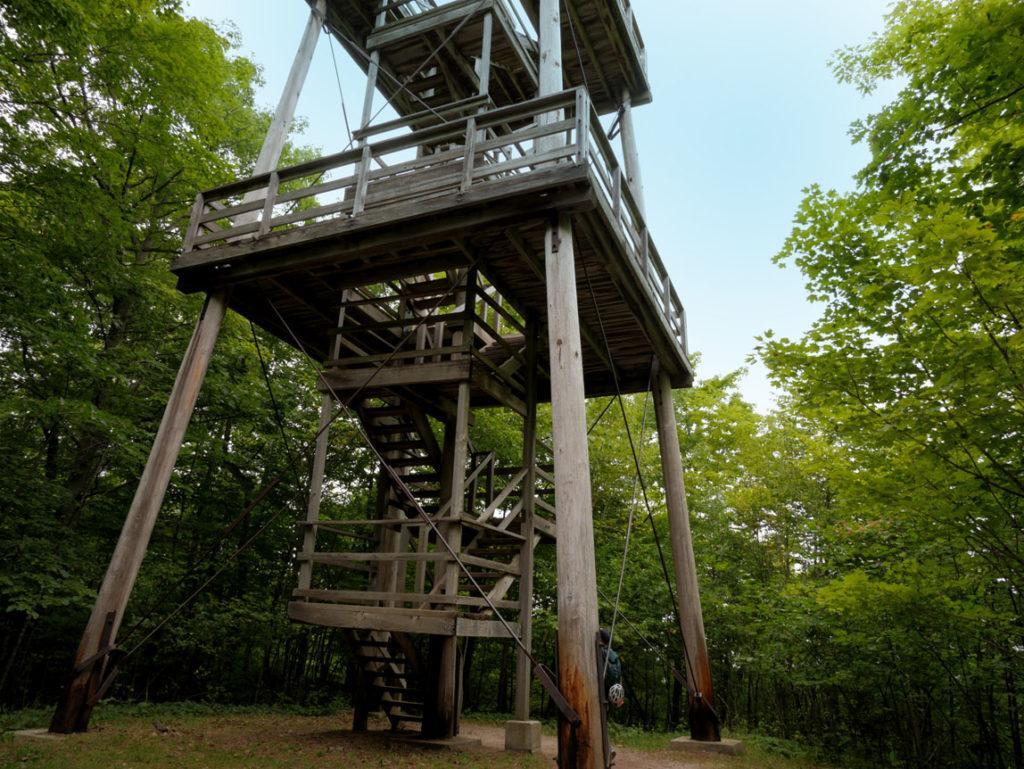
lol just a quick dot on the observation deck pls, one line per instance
(602, 48)
(465, 188)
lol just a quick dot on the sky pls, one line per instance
(746, 114)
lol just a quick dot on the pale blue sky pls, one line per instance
(746, 113)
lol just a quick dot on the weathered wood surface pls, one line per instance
(703, 724)
(108, 612)
(611, 49)
(577, 572)
(619, 272)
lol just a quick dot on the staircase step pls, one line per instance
(374, 412)
(403, 716)
(399, 689)
(401, 445)
(411, 462)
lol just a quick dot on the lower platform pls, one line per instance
(396, 620)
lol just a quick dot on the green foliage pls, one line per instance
(913, 370)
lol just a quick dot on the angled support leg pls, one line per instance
(703, 721)
(75, 708)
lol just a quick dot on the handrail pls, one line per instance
(630, 219)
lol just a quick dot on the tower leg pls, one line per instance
(524, 673)
(577, 572)
(444, 713)
(703, 722)
(100, 634)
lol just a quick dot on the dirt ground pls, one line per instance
(493, 738)
(254, 741)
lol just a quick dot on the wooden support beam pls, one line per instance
(316, 476)
(273, 144)
(703, 723)
(75, 708)
(577, 570)
(630, 154)
(524, 668)
(443, 720)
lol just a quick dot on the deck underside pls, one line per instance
(301, 273)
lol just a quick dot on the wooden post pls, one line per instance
(316, 476)
(630, 155)
(577, 571)
(270, 153)
(372, 71)
(703, 723)
(75, 708)
(484, 64)
(100, 634)
(524, 671)
(316, 484)
(444, 720)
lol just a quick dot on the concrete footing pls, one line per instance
(700, 747)
(522, 736)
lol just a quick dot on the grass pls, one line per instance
(174, 735)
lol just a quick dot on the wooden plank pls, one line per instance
(364, 360)
(505, 493)
(392, 619)
(340, 559)
(468, 105)
(347, 596)
(193, 223)
(273, 144)
(421, 23)
(270, 200)
(495, 169)
(427, 213)
(479, 628)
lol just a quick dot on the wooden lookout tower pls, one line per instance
(486, 249)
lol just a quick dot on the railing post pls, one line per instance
(193, 223)
(682, 330)
(361, 182)
(468, 163)
(645, 254)
(617, 191)
(268, 204)
(667, 296)
(582, 124)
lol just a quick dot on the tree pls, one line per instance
(113, 114)
(916, 363)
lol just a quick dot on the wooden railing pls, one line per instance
(454, 156)
(629, 219)
(464, 152)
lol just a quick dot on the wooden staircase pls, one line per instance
(404, 354)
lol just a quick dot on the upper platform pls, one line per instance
(602, 49)
(477, 189)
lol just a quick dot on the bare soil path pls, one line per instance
(493, 738)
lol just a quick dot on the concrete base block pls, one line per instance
(697, 747)
(522, 736)
(44, 735)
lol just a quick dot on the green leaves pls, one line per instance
(915, 368)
